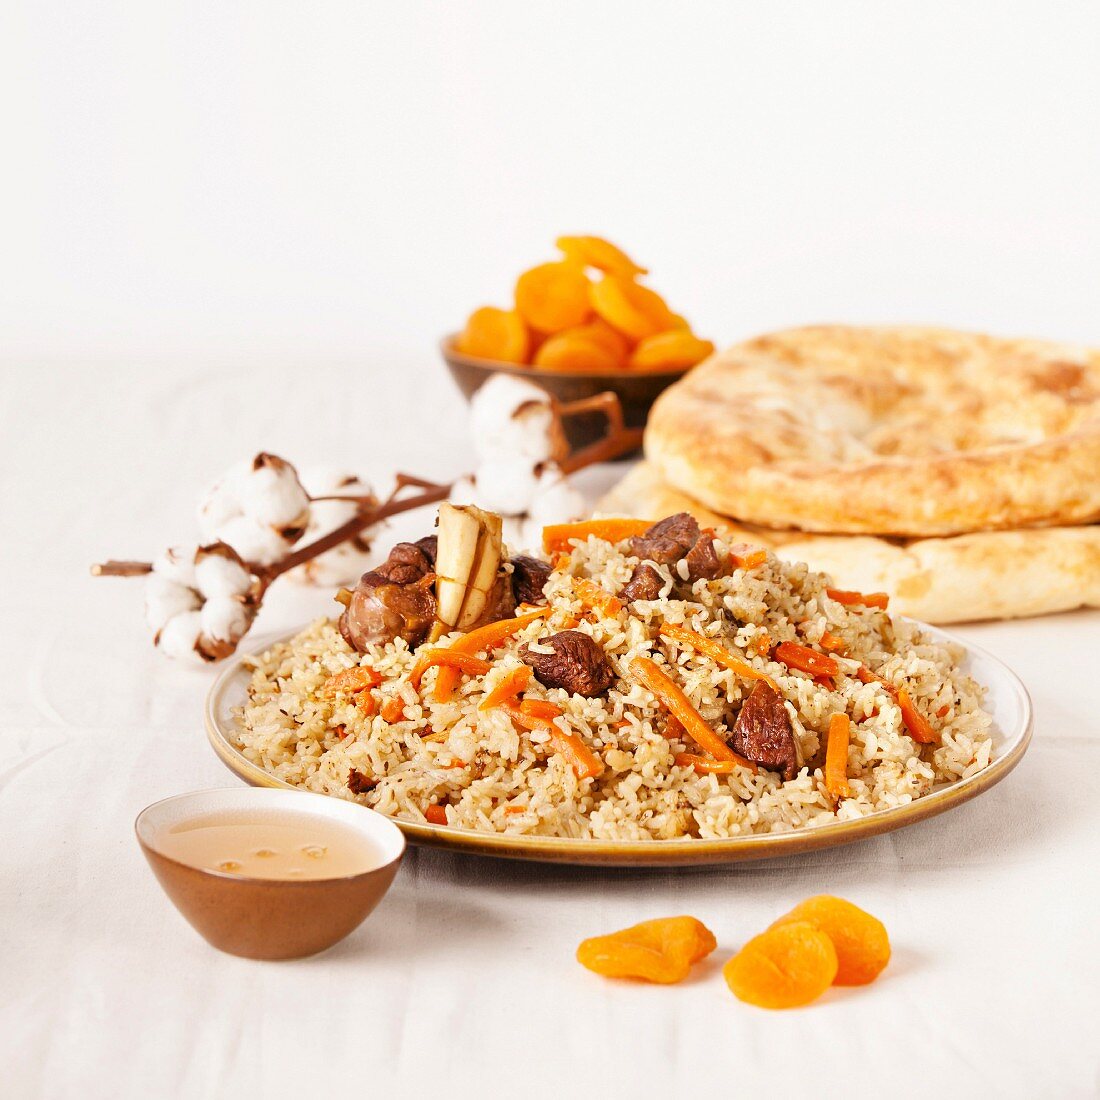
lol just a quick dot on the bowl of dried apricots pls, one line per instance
(580, 325)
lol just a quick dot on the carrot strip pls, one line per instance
(703, 766)
(540, 708)
(452, 659)
(859, 599)
(558, 535)
(350, 681)
(393, 709)
(509, 687)
(832, 642)
(593, 596)
(717, 653)
(943, 711)
(436, 815)
(868, 677)
(584, 762)
(674, 699)
(836, 756)
(486, 637)
(918, 727)
(366, 703)
(747, 557)
(805, 659)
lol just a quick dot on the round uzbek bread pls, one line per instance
(988, 575)
(887, 431)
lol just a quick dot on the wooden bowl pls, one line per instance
(270, 918)
(636, 390)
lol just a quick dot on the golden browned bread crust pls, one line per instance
(897, 431)
(989, 575)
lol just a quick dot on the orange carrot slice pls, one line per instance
(917, 726)
(436, 815)
(805, 659)
(673, 699)
(836, 756)
(859, 599)
(487, 638)
(713, 767)
(593, 596)
(583, 761)
(349, 681)
(449, 658)
(557, 536)
(512, 684)
(717, 653)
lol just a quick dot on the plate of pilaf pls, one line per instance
(645, 694)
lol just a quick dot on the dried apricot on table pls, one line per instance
(862, 945)
(568, 351)
(630, 307)
(671, 350)
(492, 333)
(787, 966)
(552, 297)
(599, 253)
(662, 950)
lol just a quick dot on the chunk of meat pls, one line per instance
(645, 583)
(396, 600)
(529, 576)
(668, 540)
(577, 663)
(359, 783)
(702, 559)
(763, 733)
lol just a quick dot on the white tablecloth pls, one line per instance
(463, 982)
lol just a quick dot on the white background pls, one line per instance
(228, 226)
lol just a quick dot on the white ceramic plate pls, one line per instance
(1006, 699)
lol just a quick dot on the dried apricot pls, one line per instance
(552, 297)
(862, 945)
(568, 351)
(599, 253)
(492, 333)
(787, 966)
(671, 350)
(630, 307)
(599, 331)
(661, 950)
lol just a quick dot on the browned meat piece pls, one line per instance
(645, 583)
(763, 734)
(668, 540)
(358, 783)
(529, 576)
(702, 561)
(577, 664)
(429, 547)
(396, 600)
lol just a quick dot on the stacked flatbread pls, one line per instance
(958, 472)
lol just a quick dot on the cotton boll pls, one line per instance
(515, 535)
(464, 491)
(511, 418)
(556, 501)
(177, 563)
(165, 599)
(219, 573)
(347, 562)
(272, 493)
(506, 486)
(180, 635)
(224, 619)
(256, 544)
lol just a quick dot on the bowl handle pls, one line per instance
(619, 439)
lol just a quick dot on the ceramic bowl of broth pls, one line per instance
(269, 874)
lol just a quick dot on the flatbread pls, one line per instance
(990, 575)
(900, 431)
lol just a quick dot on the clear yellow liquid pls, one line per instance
(287, 846)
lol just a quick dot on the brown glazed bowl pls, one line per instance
(635, 389)
(269, 918)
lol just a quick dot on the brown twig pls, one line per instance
(122, 569)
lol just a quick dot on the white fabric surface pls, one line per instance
(463, 982)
